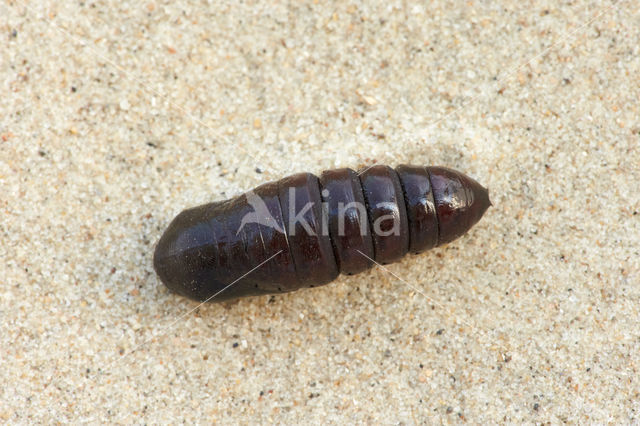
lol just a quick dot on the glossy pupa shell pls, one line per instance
(303, 230)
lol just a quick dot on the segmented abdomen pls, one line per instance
(302, 231)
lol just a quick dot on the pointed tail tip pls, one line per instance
(460, 201)
(480, 202)
(485, 201)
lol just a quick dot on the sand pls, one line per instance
(115, 116)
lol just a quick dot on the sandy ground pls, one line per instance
(117, 115)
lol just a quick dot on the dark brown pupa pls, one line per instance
(302, 231)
